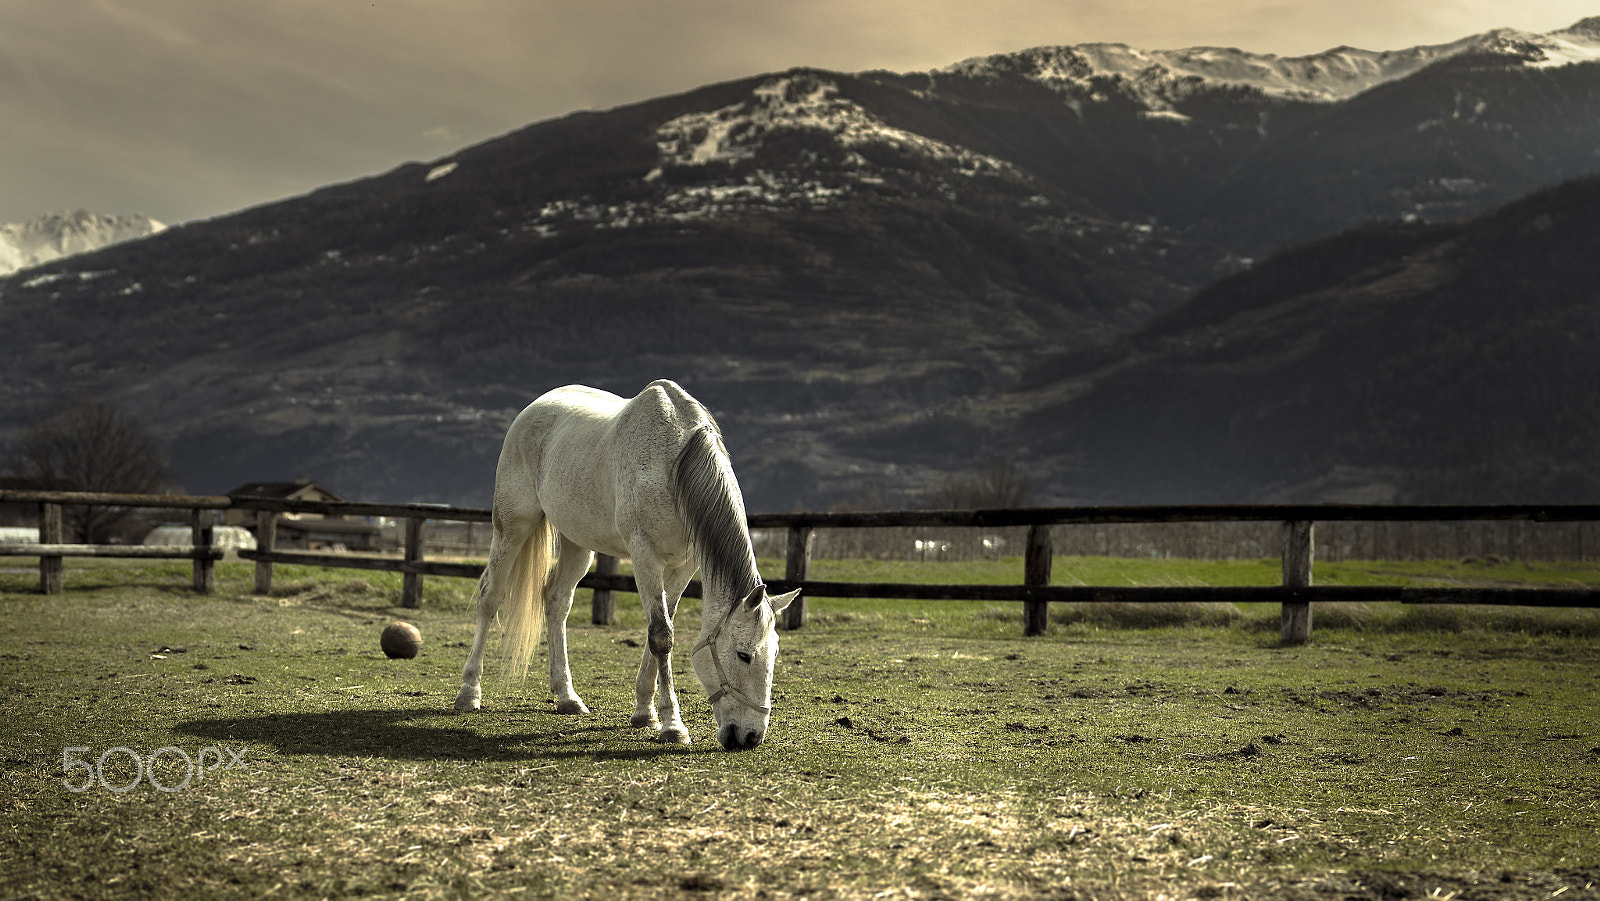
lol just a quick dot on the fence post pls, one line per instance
(201, 536)
(51, 570)
(1297, 553)
(266, 537)
(1036, 571)
(603, 609)
(411, 586)
(797, 568)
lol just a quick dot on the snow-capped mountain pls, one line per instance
(56, 235)
(811, 140)
(796, 102)
(1158, 77)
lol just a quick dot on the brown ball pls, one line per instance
(401, 640)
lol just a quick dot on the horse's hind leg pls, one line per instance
(571, 567)
(471, 694)
(503, 549)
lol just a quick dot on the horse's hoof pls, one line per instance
(674, 736)
(644, 721)
(468, 701)
(572, 706)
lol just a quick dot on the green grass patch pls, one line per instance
(918, 750)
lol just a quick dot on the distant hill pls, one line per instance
(857, 272)
(1409, 363)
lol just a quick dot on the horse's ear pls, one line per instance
(781, 601)
(755, 597)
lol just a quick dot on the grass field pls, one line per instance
(918, 749)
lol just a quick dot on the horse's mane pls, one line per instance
(711, 505)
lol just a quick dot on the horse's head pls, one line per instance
(734, 659)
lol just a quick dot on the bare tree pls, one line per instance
(996, 484)
(94, 446)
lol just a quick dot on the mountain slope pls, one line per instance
(1450, 363)
(399, 318)
(1256, 152)
(854, 271)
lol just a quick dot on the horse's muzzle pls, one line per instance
(733, 738)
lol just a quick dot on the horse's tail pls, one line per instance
(524, 602)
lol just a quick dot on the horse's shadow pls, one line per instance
(419, 734)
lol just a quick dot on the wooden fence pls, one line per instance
(1296, 594)
(51, 550)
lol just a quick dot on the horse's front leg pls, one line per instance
(659, 589)
(644, 692)
(673, 730)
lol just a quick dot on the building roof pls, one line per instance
(285, 490)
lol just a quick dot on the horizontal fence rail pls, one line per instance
(1152, 594)
(177, 552)
(1056, 516)
(1035, 593)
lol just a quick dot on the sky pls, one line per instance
(190, 109)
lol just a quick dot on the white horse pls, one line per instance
(646, 478)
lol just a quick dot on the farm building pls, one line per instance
(307, 531)
(229, 538)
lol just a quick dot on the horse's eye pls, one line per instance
(743, 657)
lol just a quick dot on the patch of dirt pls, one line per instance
(702, 882)
(1380, 697)
(1576, 884)
(1373, 697)
(874, 732)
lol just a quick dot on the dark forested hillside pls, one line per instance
(1411, 363)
